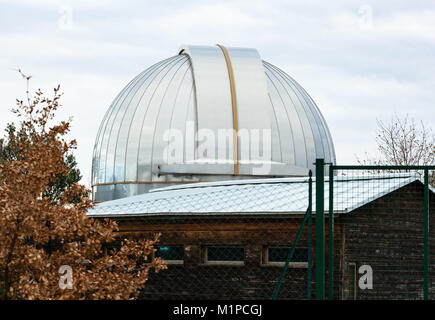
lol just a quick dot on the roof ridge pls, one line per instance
(191, 185)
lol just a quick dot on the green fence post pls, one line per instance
(426, 234)
(331, 234)
(290, 255)
(320, 231)
(310, 235)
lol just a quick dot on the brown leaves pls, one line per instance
(37, 235)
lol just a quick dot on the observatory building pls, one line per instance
(210, 113)
(211, 149)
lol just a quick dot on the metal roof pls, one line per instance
(259, 196)
(193, 91)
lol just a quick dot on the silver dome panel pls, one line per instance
(214, 88)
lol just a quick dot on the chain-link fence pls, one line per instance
(381, 232)
(229, 258)
(278, 238)
(232, 240)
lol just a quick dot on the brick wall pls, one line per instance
(196, 280)
(386, 234)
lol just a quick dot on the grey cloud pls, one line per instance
(354, 73)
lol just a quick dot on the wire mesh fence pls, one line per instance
(378, 238)
(258, 239)
(229, 258)
(224, 242)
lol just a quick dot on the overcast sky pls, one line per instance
(359, 61)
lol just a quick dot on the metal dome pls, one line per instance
(207, 90)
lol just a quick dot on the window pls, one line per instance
(278, 256)
(171, 254)
(224, 255)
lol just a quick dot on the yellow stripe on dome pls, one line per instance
(234, 106)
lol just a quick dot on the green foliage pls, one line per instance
(9, 147)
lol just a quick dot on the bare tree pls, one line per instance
(403, 141)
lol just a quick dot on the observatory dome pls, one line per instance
(209, 113)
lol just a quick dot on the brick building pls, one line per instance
(211, 148)
(229, 240)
